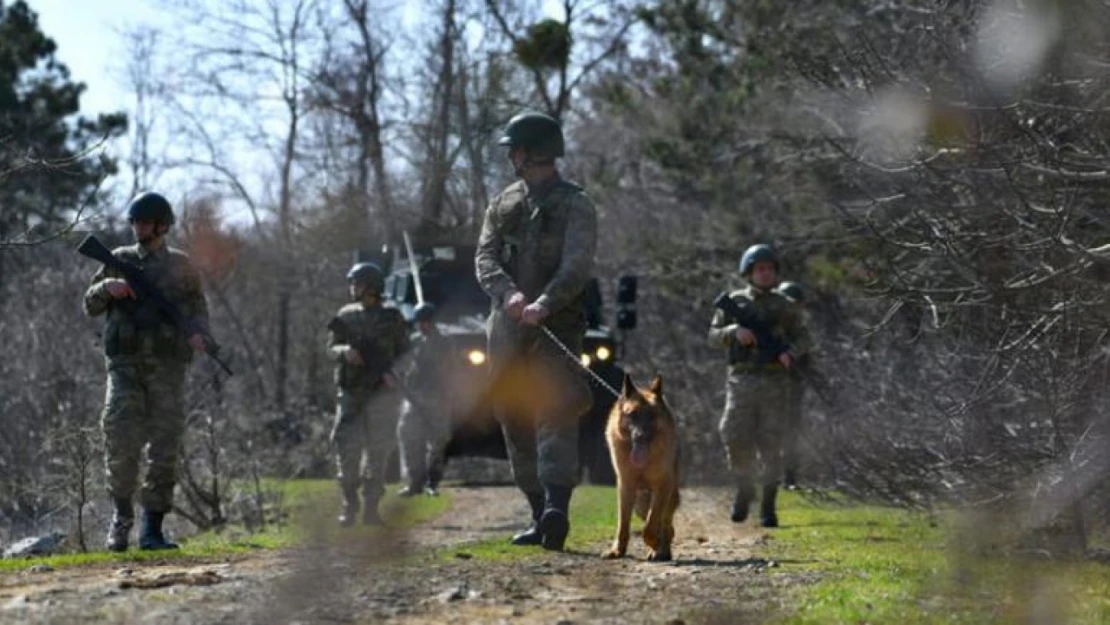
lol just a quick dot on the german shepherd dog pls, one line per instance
(643, 444)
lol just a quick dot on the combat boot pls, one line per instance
(767, 516)
(350, 505)
(532, 535)
(555, 522)
(372, 494)
(434, 476)
(745, 492)
(123, 518)
(151, 537)
(411, 490)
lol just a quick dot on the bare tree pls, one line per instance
(351, 81)
(255, 56)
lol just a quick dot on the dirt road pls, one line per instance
(718, 577)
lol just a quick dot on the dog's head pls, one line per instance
(639, 410)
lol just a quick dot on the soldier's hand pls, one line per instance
(745, 336)
(118, 289)
(786, 360)
(515, 303)
(534, 314)
(389, 380)
(353, 357)
(197, 342)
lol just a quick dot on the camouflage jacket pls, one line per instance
(136, 329)
(382, 328)
(540, 241)
(428, 370)
(775, 312)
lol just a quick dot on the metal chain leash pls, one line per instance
(577, 360)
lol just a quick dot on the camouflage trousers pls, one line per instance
(364, 436)
(144, 409)
(424, 430)
(539, 399)
(756, 423)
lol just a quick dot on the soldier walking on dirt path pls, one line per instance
(364, 339)
(534, 258)
(147, 357)
(425, 425)
(762, 348)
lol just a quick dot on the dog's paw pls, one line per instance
(651, 539)
(612, 554)
(659, 556)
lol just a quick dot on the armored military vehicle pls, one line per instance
(447, 279)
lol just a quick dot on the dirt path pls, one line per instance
(716, 579)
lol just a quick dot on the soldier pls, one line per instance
(425, 427)
(534, 257)
(759, 383)
(790, 453)
(363, 340)
(147, 357)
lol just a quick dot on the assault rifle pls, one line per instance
(770, 347)
(149, 295)
(372, 358)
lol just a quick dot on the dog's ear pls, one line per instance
(657, 385)
(628, 389)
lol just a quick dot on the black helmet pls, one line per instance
(793, 290)
(425, 311)
(755, 254)
(540, 134)
(150, 206)
(368, 275)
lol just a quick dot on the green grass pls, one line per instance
(309, 503)
(879, 565)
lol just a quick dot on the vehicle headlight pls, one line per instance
(476, 357)
(586, 360)
(604, 353)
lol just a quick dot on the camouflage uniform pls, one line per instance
(758, 394)
(425, 425)
(366, 410)
(146, 357)
(539, 241)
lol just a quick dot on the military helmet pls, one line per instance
(757, 253)
(150, 206)
(793, 290)
(538, 133)
(368, 275)
(424, 311)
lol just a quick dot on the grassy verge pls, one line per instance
(304, 501)
(889, 566)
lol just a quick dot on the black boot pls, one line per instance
(350, 505)
(371, 494)
(151, 538)
(532, 535)
(745, 492)
(767, 516)
(435, 474)
(123, 518)
(555, 522)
